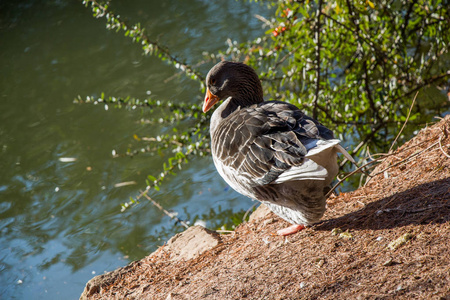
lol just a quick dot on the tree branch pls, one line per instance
(318, 46)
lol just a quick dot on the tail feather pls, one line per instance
(346, 154)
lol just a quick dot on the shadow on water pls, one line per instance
(424, 204)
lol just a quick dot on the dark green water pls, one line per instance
(60, 222)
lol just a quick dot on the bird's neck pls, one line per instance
(245, 98)
(231, 104)
(222, 112)
(228, 107)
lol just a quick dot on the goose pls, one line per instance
(269, 150)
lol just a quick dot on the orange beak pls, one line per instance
(210, 100)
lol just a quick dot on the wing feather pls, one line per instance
(266, 143)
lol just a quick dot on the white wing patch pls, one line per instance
(318, 146)
(316, 169)
(308, 170)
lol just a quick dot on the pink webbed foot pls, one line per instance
(290, 230)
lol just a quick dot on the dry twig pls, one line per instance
(440, 146)
(402, 161)
(404, 124)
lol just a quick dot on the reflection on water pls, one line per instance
(60, 220)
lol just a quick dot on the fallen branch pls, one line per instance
(169, 214)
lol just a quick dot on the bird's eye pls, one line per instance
(213, 81)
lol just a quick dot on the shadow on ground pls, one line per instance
(423, 204)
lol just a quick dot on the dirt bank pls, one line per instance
(388, 239)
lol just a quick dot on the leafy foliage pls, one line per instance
(353, 65)
(192, 141)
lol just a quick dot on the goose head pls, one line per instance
(232, 80)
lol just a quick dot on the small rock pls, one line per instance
(390, 262)
(260, 212)
(192, 242)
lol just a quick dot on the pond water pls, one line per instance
(60, 221)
